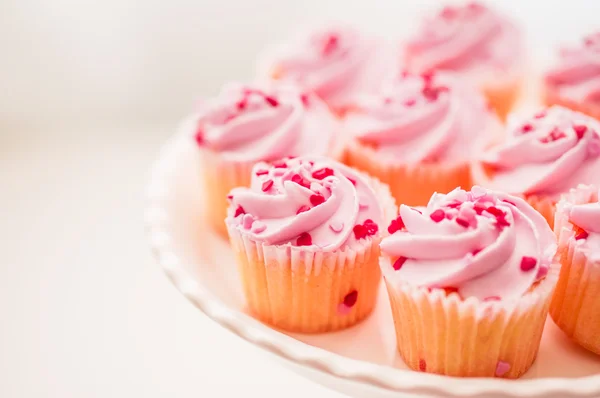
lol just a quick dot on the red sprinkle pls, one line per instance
(580, 130)
(528, 263)
(462, 222)
(422, 365)
(351, 298)
(582, 234)
(479, 208)
(271, 101)
(302, 209)
(496, 212)
(399, 263)
(371, 227)
(304, 99)
(476, 251)
(199, 137)
(501, 223)
(317, 199)
(396, 225)
(239, 210)
(322, 173)
(526, 128)
(360, 231)
(304, 239)
(427, 76)
(353, 181)
(438, 215)
(298, 179)
(229, 197)
(280, 164)
(267, 185)
(262, 172)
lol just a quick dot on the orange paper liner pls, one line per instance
(302, 291)
(443, 334)
(411, 185)
(551, 97)
(219, 178)
(575, 306)
(502, 98)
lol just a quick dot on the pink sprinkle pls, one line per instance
(331, 44)
(304, 99)
(352, 181)
(582, 234)
(351, 298)
(280, 164)
(540, 114)
(363, 206)
(438, 215)
(526, 128)
(336, 226)
(258, 227)
(492, 298)
(410, 102)
(399, 263)
(262, 172)
(462, 222)
(580, 130)
(304, 239)
(528, 263)
(238, 211)
(317, 199)
(279, 172)
(266, 186)
(298, 179)
(322, 173)
(247, 221)
(476, 251)
(542, 272)
(422, 365)
(502, 368)
(302, 209)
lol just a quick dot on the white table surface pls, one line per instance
(85, 311)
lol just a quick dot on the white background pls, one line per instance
(88, 92)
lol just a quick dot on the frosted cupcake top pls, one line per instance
(481, 243)
(577, 75)
(586, 219)
(313, 202)
(423, 118)
(549, 153)
(334, 61)
(247, 123)
(468, 39)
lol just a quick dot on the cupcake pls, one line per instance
(419, 135)
(575, 306)
(334, 61)
(475, 42)
(575, 81)
(306, 238)
(470, 278)
(246, 124)
(544, 156)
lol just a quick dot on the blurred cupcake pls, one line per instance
(470, 280)
(335, 61)
(544, 156)
(575, 305)
(419, 135)
(306, 238)
(575, 81)
(475, 42)
(246, 124)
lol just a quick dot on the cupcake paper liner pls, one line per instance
(575, 307)
(545, 205)
(411, 185)
(310, 292)
(502, 98)
(439, 333)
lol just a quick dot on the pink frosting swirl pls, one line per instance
(335, 62)
(312, 202)
(466, 39)
(485, 244)
(421, 118)
(577, 75)
(247, 123)
(549, 153)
